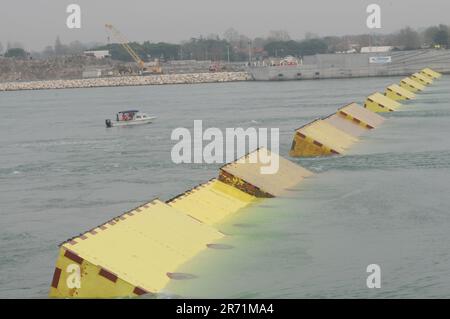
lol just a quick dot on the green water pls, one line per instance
(386, 202)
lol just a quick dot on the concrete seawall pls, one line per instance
(128, 81)
(356, 65)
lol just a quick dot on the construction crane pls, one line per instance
(144, 68)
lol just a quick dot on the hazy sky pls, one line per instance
(36, 23)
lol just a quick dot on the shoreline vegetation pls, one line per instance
(190, 78)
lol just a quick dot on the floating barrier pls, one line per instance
(361, 116)
(130, 255)
(431, 73)
(422, 79)
(379, 103)
(411, 85)
(397, 93)
(341, 123)
(139, 251)
(320, 138)
(245, 174)
(212, 201)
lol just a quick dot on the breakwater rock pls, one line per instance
(191, 78)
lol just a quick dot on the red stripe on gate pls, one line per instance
(318, 143)
(108, 275)
(195, 219)
(139, 291)
(56, 276)
(74, 257)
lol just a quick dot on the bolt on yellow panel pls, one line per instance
(422, 79)
(136, 249)
(246, 174)
(397, 93)
(358, 114)
(431, 73)
(379, 103)
(212, 201)
(411, 85)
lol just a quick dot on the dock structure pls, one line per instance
(356, 65)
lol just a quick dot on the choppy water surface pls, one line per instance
(386, 202)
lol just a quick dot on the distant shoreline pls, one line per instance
(190, 78)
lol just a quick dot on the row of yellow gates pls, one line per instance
(338, 132)
(139, 251)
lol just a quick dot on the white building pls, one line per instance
(99, 54)
(376, 49)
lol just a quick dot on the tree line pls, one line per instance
(234, 46)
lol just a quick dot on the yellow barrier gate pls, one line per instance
(361, 116)
(320, 138)
(212, 201)
(411, 85)
(246, 175)
(379, 103)
(397, 93)
(431, 73)
(346, 126)
(422, 79)
(139, 251)
(130, 255)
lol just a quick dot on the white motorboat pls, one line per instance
(132, 117)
